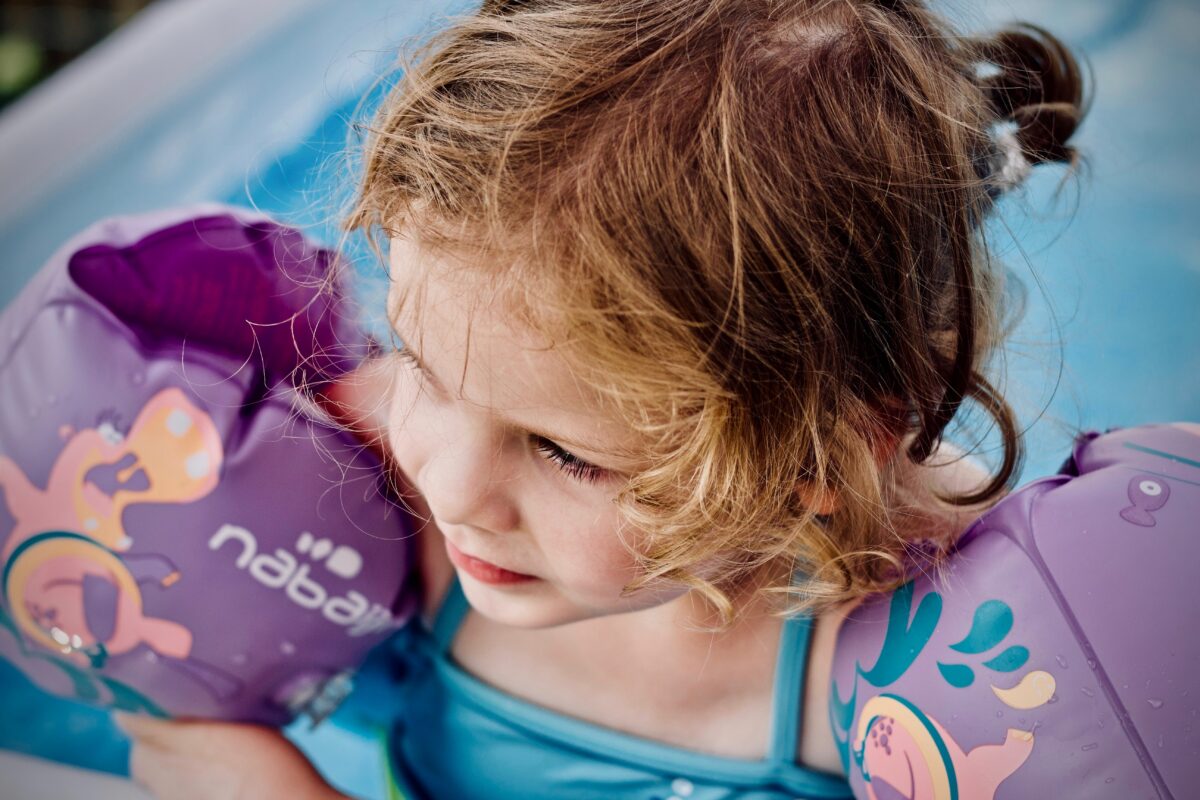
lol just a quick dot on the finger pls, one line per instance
(155, 770)
(145, 728)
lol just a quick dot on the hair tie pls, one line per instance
(1010, 167)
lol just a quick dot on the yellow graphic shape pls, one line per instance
(173, 442)
(1033, 690)
(922, 733)
(47, 550)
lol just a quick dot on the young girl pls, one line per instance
(688, 294)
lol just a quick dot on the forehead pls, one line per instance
(457, 317)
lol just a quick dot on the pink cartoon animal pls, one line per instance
(907, 755)
(173, 447)
(64, 584)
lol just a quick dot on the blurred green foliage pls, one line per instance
(38, 37)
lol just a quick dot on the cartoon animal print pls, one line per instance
(1147, 494)
(903, 753)
(907, 755)
(68, 587)
(172, 454)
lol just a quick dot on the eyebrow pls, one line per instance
(566, 441)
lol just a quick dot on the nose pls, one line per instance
(466, 481)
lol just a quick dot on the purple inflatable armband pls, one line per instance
(1060, 655)
(181, 531)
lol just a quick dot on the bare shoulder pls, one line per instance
(949, 471)
(816, 748)
(952, 471)
(359, 400)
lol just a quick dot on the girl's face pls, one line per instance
(518, 461)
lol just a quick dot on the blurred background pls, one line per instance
(123, 106)
(39, 36)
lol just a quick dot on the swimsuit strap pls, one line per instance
(450, 616)
(789, 688)
(790, 667)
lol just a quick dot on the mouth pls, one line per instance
(484, 571)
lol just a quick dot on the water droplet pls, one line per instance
(1091, 663)
(1053, 699)
(1160, 741)
(1021, 721)
(1109, 780)
(1087, 692)
(287, 648)
(1062, 662)
(1090, 746)
(999, 714)
(1155, 702)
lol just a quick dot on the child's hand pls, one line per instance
(210, 760)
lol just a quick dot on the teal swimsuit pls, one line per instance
(458, 738)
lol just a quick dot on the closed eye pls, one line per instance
(410, 359)
(572, 465)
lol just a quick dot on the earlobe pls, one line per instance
(884, 442)
(822, 500)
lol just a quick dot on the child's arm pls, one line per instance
(360, 400)
(200, 760)
(970, 677)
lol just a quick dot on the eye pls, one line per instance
(410, 360)
(572, 465)
(408, 357)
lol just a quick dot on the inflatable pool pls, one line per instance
(251, 104)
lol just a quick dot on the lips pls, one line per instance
(484, 571)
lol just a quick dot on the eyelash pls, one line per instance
(573, 466)
(407, 356)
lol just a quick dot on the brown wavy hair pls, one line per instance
(757, 227)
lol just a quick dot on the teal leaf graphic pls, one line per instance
(904, 642)
(1011, 659)
(842, 714)
(126, 698)
(7, 622)
(84, 685)
(957, 675)
(993, 620)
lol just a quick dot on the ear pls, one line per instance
(883, 437)
(822, 500)
(886, 429)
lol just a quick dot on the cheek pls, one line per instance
(407, 419)
(592, 557)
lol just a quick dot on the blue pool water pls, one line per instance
(1111, 269)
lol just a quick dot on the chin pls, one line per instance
(522, 608)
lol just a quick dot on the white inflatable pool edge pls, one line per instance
(60, 127)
